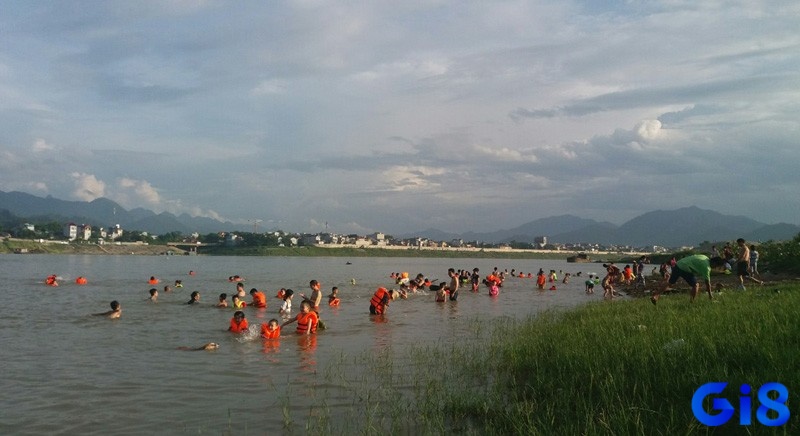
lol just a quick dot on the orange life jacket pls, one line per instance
(540, 279)
(303, 320)
(81, 280)
(51, 281)
(259, 299)
(266, 333)
(153, 281)
(377, 300)
(333, 302)
(238, 327)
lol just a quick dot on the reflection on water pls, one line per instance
(68, 372)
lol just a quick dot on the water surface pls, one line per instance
(66, 372)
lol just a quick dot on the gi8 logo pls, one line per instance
(745, 407)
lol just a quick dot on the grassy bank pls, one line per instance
(624, 367)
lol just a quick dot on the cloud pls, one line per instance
(269, 87)
(87, 187)
(143, 190)
(40, 146)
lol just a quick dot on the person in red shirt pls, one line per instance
(238, 323)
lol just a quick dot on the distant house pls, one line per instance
(115, 232)
(71, 231)
(231, 239)
(311, 240)
(86, 232)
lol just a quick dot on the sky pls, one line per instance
(356, 117)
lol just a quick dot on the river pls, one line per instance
(67, 372)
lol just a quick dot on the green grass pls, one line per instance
(623, 367)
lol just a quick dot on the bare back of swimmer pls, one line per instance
(208, 347)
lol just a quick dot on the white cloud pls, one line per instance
(88, 187)
(269, 87)
(41, 146)
(505, 154)
(143, 190)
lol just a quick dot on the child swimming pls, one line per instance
(271, 330)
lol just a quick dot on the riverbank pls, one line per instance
(622, 367)
(59, 247)
(23, 246)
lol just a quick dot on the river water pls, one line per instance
(67, 372)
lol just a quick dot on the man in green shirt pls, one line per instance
(689, 268)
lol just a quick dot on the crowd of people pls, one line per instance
(692, 269)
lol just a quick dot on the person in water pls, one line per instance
(153, 280)
(153, 295)
(51, 280)
(237, 302)
(271, 330)
(316, 295)
(259, 299)
(380, 301)
(114, 313)
(286, 308)
(208, 347)
(194, 298)
(240, 290)
(333, 298)
(306, 320)
(223, 300)
(238, 323)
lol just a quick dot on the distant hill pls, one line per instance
(103, 212)
(668, 228)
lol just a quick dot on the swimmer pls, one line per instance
(286, 308)
(238, 323)
(240, 290)
(81, 280)
(307, 320)
(333, 298)
(153, 295)
(271, 330)
(167, 288)
(259, 299)
(114, 313)
(237, 302)
(178, 284)
(208, 347)
(51, 280)
(194, 298)
(191, 272)
(223, 300)
(153, 280)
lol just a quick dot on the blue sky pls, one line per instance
(401, 116)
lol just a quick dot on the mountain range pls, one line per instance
(686, 226)
(668, 228)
